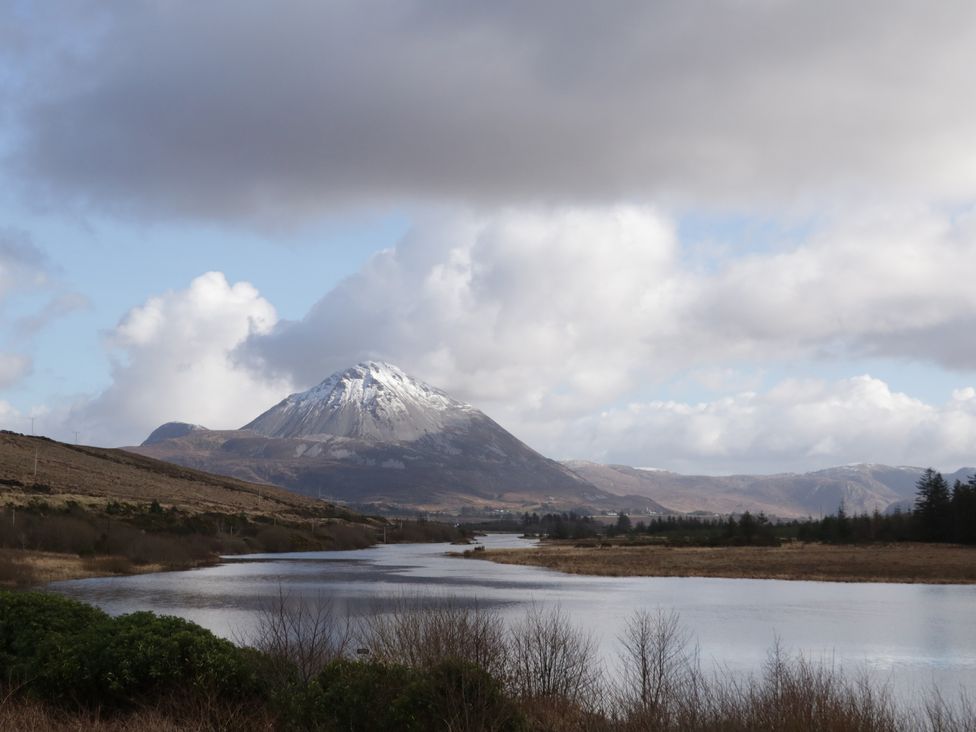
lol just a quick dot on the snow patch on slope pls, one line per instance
(372, 400)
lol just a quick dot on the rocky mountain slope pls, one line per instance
(372, 434)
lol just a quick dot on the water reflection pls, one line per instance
(911, 636)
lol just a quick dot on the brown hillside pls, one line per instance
(93, 476)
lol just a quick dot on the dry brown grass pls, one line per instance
(14, 570)
(907, 563)
(24, 568)
(27, 715)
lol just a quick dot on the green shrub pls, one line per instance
(62, 650)
(142, 656)
(371, 697)
(36, 627)
(360, 697)
(456, 694)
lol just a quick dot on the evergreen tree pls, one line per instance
(933, 507)
(747, 527)
(843, 523)
(623, 524)
(964, 511)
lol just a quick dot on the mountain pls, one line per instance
(170, 430)
(862, 488)
(373, 434)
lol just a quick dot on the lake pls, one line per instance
(912, 637)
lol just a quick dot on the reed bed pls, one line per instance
(903, 562)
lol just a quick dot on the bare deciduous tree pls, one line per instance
(658, 666)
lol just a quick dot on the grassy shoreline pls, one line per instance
(35, 567)
(32, 569)
(900, 563)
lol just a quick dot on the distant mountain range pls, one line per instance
(372, 434)
(861, 488)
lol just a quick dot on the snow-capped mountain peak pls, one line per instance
(372, 400)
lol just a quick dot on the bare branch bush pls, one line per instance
(942, 716)
(296, 632)
(420, 634)
(551, 658)
(795, 694)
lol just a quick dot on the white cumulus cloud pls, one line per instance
(173, 362)
(554, 310)
(546, 317)
(795, 425)
(554, 320)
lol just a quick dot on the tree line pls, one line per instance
(940, 513)
(568, 525)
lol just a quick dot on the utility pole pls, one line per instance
(76, 437)
(32, 426)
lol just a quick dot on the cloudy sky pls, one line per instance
(713, 237)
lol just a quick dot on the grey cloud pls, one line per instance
(17, 249)
(57, 307)
(26, 269)
(276, 111)
(949, 343)
(22, 264)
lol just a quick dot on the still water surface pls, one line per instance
(911, 637)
